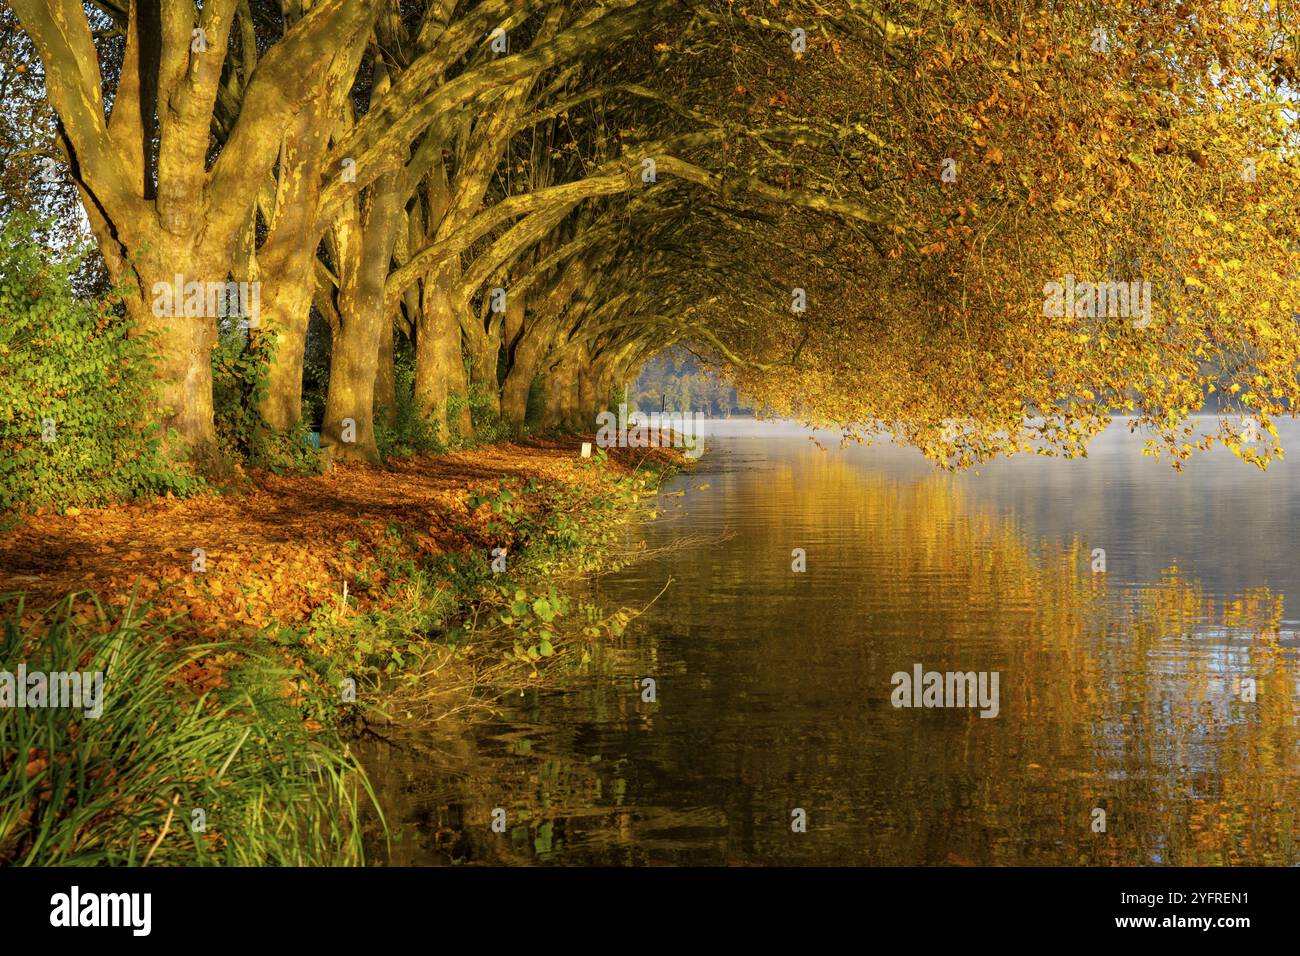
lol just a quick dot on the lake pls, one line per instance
(1146, 713)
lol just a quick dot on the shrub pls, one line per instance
(73, 382)
(411, 434)
(490, 425)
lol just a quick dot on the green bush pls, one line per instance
(490, 426)
(73, 384)
(411, 434)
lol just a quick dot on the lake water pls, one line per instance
(1160, 693)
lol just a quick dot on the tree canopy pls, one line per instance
(981, 228)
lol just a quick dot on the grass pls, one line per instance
(174, 771)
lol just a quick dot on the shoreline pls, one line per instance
(264, 606)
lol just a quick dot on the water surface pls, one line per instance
(1125, 691)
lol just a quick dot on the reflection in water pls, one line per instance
(1117, 691)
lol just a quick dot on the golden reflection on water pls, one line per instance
(774, 693)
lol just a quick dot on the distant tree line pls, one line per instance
(676, 382)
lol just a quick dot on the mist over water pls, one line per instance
(1120, 691)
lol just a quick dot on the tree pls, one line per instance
(159, 203)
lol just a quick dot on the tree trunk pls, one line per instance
(484, 372)
(557, 390)
(348, 430)
(519, 379)
(184, 373)
(286, 311)
(570, 413)
(385, 378)
(182, 345)
(562, 394)
(439, 368)
(354, 357)
(587, 392)
(157, 201)
(606, 379)
(287, 259)
(182, 348)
